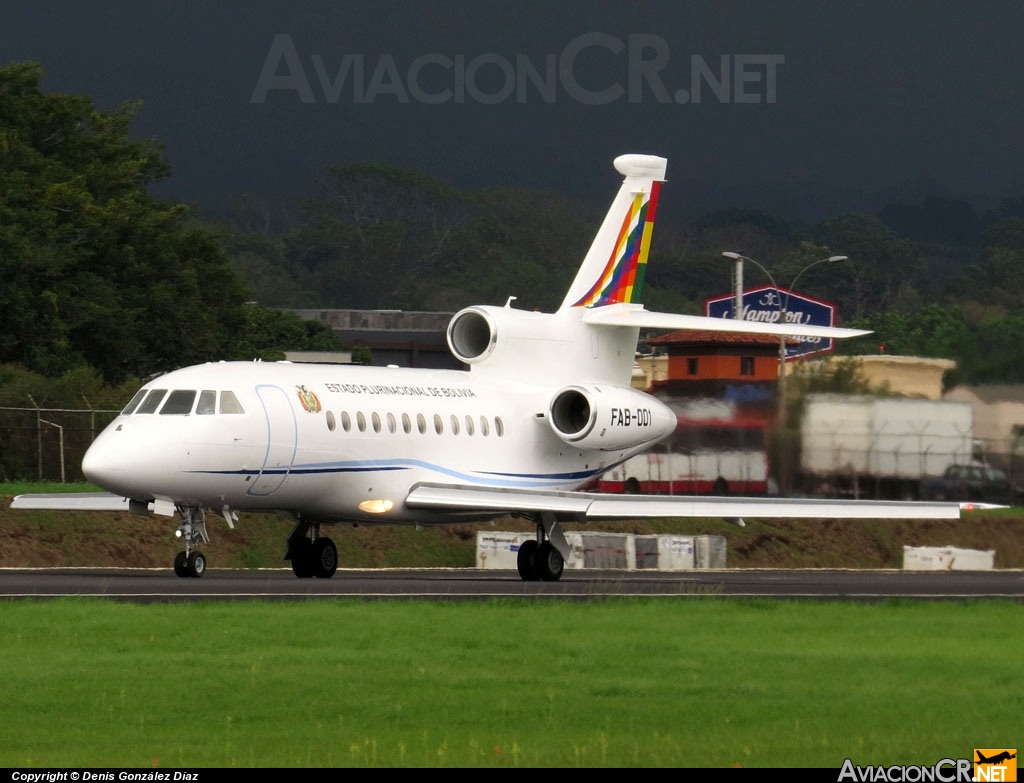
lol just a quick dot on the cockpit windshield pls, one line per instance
(182, 402)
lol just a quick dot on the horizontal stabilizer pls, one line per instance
(72, 501)
(591, 506)
(637, 316)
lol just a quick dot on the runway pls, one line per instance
(160, 584)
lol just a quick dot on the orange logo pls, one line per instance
(998, 765)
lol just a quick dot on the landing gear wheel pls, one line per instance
(180, 566)
(196, 564)
(324, 557)
(549, 562)
(302, 557)
(527, 561)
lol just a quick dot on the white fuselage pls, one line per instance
(319, 440)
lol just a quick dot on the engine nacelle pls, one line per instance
(556, 348)
(472, 334)
(609, 418)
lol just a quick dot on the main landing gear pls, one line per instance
(310, 553)
(543, 558)
(192, 530)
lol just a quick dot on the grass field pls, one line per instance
(655, 683)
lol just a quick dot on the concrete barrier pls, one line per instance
(624, 551)
(947, 558)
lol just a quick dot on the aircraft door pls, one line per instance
(282, 440)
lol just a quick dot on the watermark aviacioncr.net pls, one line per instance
(626, 70)
(989, 765)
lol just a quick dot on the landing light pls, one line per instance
(376, 506)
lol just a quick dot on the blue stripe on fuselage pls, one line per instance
(370, 466)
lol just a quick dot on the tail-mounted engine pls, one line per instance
(503, 339)
(472, 334)
(534, 347)
(609, 418)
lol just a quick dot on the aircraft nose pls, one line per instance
(115, 462)
(98, 465)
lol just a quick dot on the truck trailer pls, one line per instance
(880, 447)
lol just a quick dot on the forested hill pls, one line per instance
(103, 284)
(933, 279)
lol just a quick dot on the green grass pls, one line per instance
(656, 683)
(26, 487)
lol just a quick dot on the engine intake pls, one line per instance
(472, 335)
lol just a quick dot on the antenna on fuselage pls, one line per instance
(509, 302)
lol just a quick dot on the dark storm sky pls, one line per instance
(826, 107)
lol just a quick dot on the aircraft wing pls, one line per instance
(72, 501)
(594, 507)
(637, 315)
(588, 506)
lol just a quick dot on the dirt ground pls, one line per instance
(49, 538)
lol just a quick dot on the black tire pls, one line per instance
(180, 564)
(300, 552)
(632, 486)
(196, 564)
(324, 557)
(526, 561)
(549, 562)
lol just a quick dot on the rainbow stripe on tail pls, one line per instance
(614, 268)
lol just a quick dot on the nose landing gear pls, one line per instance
(192, 530)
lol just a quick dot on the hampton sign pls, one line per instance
(766, 305)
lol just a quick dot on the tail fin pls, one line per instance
(614, 267)
(608, 287)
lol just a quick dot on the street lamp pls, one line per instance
(783, 305)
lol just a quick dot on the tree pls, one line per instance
(882, 265)
(93, 270)
(936, 219)
(268, 334)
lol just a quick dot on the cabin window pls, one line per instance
(152, 401)
(361, 421)
(421, 423)
(455, 424)
(469, 424)
(229, 403)
(331, 423)
(207, 402)
(692, 365)
(375, 418)
(179, 403)
(485, 428)
(134, 402)
(391, 423)
(746, 365)
(346, 421)
(406, 423)
(438, 424)
(499, 427)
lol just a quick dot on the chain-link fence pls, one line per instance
(47, 444)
